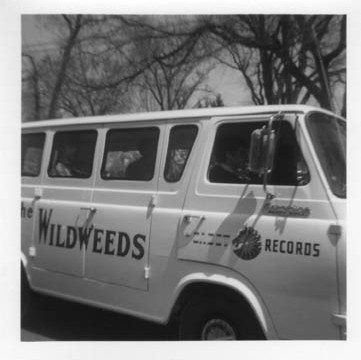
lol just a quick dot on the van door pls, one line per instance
(280, 246)
(181, 143)
(124, 197)
(64, 202)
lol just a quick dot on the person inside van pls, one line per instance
(231, 166)
(179, 148)
(143, 168)
(64, 165)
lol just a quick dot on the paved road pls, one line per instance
(55, 319)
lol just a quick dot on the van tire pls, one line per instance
(26, 295)
(212, 319)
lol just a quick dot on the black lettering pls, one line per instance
(316, 249)
(139, 246)
(97, 239)
(123, 244)
(282, 242)
(308, 249)
(298, 248)
(70, 237)
(267, 246)
(52, 226)
(26, 211)
(289, 247)
(30, 212)
(275, 246)
(58, 232)
(109, 242)
(44, 220)
(84, 235)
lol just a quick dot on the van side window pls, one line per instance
(181, 141)
(32, 146)
(130, 154)
(229, 158)
(72, 154)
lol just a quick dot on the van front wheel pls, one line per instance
(211, 319)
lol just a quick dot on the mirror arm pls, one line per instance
(269, 196)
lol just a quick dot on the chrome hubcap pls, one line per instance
(218, 329)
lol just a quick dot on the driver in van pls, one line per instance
(231, 166)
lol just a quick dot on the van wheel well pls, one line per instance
(25, 292)
(197, 292)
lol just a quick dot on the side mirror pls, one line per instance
(262, 150)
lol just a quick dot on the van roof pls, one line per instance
(174, 114)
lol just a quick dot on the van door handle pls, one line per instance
(188, 218)
(38, 193)
(153, 201)
(89, 217)
(91, 209)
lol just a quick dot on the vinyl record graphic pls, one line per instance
(247, 245)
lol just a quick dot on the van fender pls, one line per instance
(242, 288)
(25, 264)
(24, 260)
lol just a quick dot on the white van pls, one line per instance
(230, 221)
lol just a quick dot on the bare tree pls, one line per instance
(174, 63)
(172, 84)
(283, 56)
(209, 101)
(74, 26)
(31, 95)
(98, 61)
(73, 77)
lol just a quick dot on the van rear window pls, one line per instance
(72, 154)
(32, 146)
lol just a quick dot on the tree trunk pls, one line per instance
(344, 104)
(74, 31)
(267, 72)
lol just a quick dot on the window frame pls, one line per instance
(62, 131)
(260, 121)
(43, 133)
(318, 149)
(139, 129)
(167, 156)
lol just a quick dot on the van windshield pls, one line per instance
(328, 134)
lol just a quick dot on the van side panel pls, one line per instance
(62, 213)
(289, 260)
(123, 218)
